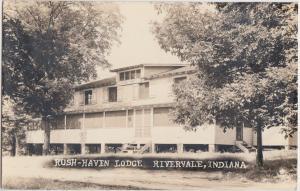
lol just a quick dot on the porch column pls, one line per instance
(65, 149)
(153, 149)
(102, 147)
(179, 148)
(212, 148)
(83, 148)
(287, 147)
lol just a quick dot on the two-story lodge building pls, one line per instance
(132, 110)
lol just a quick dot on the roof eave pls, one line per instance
(146, 65)
(169, 74)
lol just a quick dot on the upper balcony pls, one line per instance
(135, 73)
(138, 85)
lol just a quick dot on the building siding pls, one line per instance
(138, 120)
(274, 137)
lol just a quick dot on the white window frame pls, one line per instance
(91, 100)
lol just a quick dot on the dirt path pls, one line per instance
(33, 167)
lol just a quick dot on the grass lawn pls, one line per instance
(279, 172)
(49, 184)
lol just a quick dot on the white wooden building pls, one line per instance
(132, 109)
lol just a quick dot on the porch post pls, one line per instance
(153, 149)
(180, 148)
(212, 148)
(102, 148)
(287, 147)
(65, 149)
(83, 148)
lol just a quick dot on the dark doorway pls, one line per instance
(239, 133)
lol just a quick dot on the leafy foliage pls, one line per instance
(13, 125)
(246, 54)
(49, 46)
(246, 59)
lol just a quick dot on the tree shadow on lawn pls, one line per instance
(272, 171)
(49, 184)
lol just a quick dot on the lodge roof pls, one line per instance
(98, 83)
(146, 65)
(183, 70)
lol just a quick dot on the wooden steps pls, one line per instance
(245, 147)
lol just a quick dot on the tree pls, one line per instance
(14, 122)
(246, 58)
(49, 46)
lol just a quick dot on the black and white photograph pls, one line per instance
(149, 95)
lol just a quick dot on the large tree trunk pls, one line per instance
(17, 148)
(46, 145)
(259, 154)
(13, 145)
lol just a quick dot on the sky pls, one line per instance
(138, 44)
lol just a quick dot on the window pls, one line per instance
(130, 75)
(58, 122)
(122, 76)
(72, 101)
(179, 79)
(93, 120)
(147, 122)
(138, 73)
(144, 90)
(112, 94)
(127, 75)
(130, 118)
(162, 118)
(74, 121)
(88, 97)
(115, 119)
(138, 120)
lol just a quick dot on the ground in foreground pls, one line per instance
(32, 173)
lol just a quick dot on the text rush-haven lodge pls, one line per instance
(130, 113)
